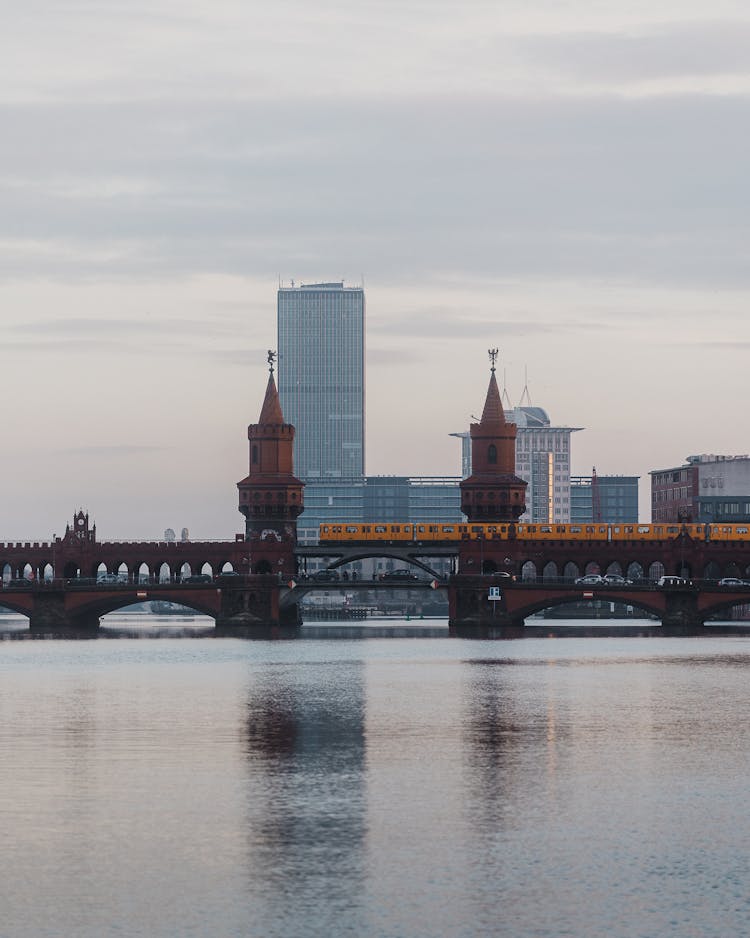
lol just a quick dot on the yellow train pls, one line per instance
(407, 532)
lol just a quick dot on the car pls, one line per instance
(502, 573)
(590, 579)
(398, 576)
(614, 579)
(326, 575)
(107, 578)
(19, 583)
(228, 575)
(731, 581)
(197, 578)
(673, 581)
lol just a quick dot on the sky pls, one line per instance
(564, 180)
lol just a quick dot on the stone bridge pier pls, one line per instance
(256, 611)
(681, 614)
(50, 615)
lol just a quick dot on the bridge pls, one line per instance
(490, 607)
(260, 606)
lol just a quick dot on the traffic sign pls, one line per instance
(434, 585)
(291, 584)
(494, 595)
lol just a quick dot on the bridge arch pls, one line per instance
(549, 571)
(571, 571)
(655, 570)
(634, 571)
(636, 602)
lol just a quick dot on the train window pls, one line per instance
(420, 528)
(407, 528)
(366, 529)
(574, 529)
(742, 530)
(658, 530)
(380, 529)
(324, 529)
(352, 530)
(590, 530)
(448, 529)
(545, 529)
(616, 529)
(396, 528)
(643, 529)
(672, 529)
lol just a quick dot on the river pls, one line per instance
(194, 786)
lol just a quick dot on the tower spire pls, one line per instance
(493, 491)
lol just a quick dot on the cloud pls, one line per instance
(666, 50)
(644, 190)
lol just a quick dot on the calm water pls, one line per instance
(391, 787)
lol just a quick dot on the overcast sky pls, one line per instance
(566, 180)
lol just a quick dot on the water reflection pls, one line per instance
(306, 799)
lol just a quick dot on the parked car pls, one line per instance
(197, 578)
(19, 583)
(107, 578)
(228, 575)
(674, 581)
(591, 579)
(398, 576)
(731, 581)
(614, 579)
(327, 575)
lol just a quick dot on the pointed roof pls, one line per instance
(271, 410)
(493, 406)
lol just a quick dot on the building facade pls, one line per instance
(706, 488)
(321, 374)
(604, 498)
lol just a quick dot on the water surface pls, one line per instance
(385, 787)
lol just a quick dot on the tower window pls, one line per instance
(255, 453)
(492, 454)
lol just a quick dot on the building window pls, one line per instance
(492, 454)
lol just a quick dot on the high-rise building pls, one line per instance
(321, 371)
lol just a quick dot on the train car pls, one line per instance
(354, 533)
(437, 532)
(728, 532)
(562, 532)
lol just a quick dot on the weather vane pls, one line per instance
(271, 359)
(492, 352)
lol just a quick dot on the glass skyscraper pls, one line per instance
(321, 376)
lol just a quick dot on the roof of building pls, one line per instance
(271, 410)
(493, 407)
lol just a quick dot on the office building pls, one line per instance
(705, 488)
(321, 375)
(604, 498)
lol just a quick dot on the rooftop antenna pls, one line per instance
(525, 396)
(492, 352)
(505, 398)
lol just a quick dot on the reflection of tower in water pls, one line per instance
(306, 811)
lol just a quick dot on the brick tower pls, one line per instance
(271, 497)
(493, 491)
